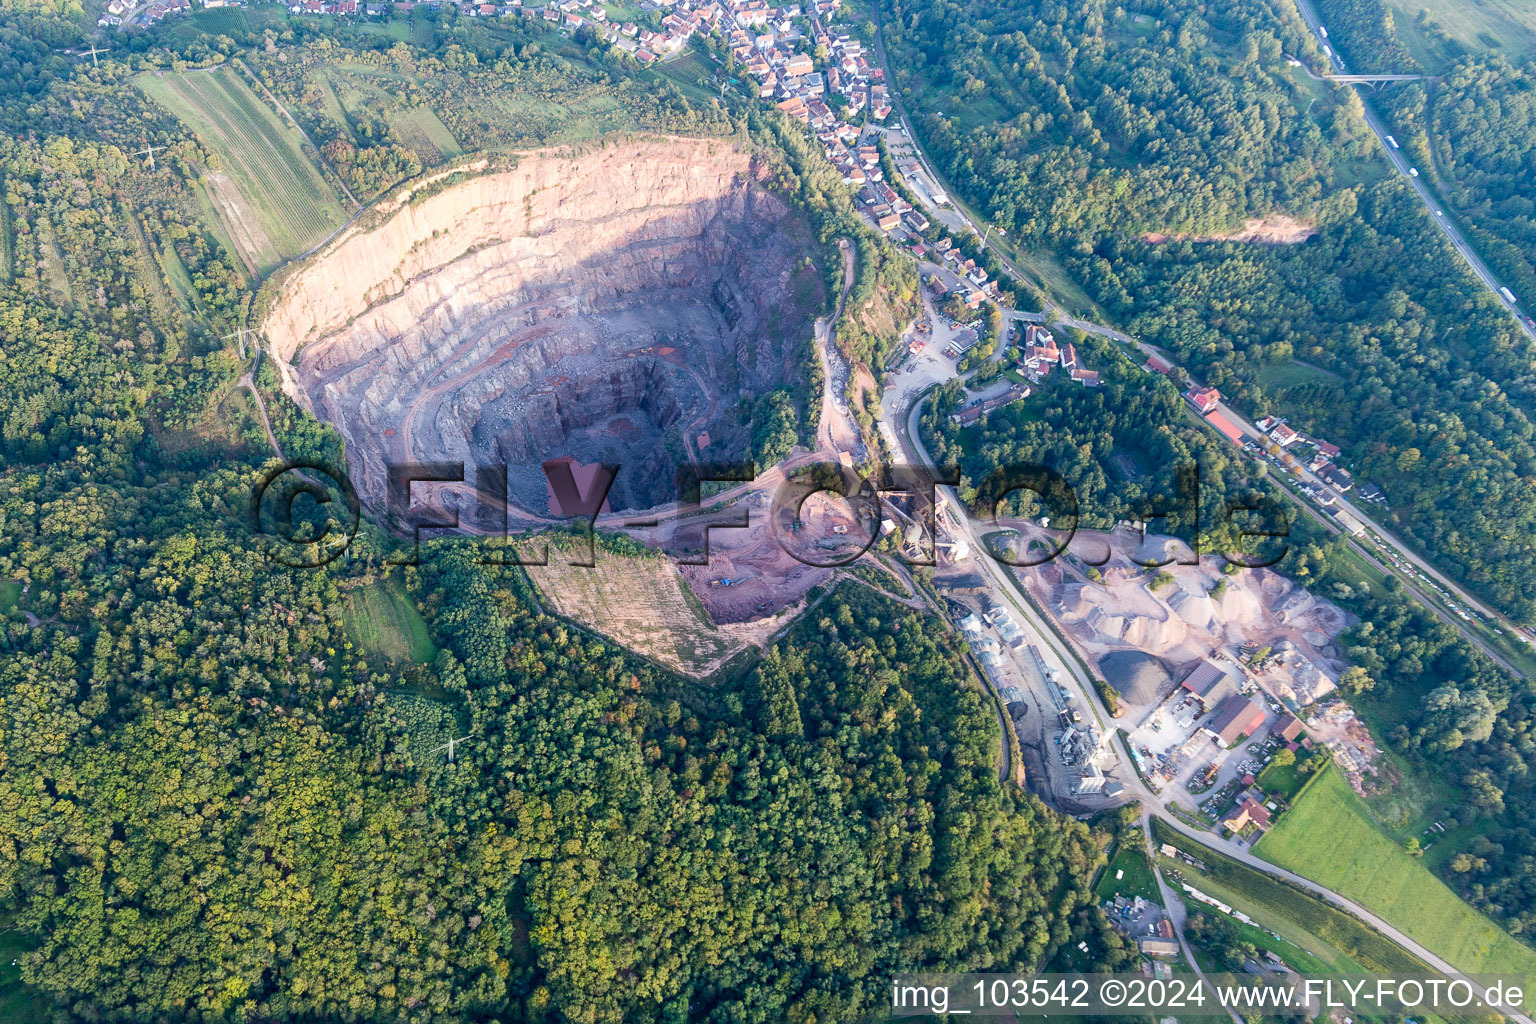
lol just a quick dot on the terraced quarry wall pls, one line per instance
(615, 305)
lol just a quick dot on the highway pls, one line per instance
(1400, 164)
(1312, 479)
(902, 422)
(1055, 313)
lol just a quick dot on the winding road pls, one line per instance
(1055, 313)
(1054, 649)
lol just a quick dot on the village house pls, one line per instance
(1204, 399)
(1288, 727)
(1249, 812)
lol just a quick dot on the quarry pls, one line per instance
(624, 304)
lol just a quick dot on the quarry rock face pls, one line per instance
(612, 306)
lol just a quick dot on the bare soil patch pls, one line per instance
(1276, 229)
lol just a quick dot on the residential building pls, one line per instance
(1204, 399)
(1249, 812)
(1288, 727)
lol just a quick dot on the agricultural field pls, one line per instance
(1330, 837)
(380, 619)
(1347, 944)
(1505, 26)
(644, 604)
(269, 193)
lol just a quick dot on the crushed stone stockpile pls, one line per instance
(616, 305)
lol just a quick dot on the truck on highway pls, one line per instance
(1322, 31)
(1509, 296)
(1326, 50)
(1392, 142)
(1413, 172)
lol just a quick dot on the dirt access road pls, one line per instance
(836, 433)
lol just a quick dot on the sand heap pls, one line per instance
(1104, 615)
(615, 305)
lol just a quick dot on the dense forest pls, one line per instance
(1437, 700)
(1121, 448)
(216, 804)
(1367, 333)
(1473, 132)
(1104, 132)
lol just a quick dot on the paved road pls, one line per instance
(1412, 586)
(1399, 164)
(1174, 905)
(1054, 650)
(1386, 928)
(836, 432)
(1045, 638)
(951, 218)
(1054, 312)
(248, 381)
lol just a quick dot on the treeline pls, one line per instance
(882, 297)
(214, 805)
(1170, 117)
(1452, 714)
(1425, 380)
(1364, 32)
(1433, 400)
(1407, 363)
(1120, 448)
(1476, 131)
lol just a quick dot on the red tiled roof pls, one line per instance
(1226, 426)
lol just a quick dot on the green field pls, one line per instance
(693, 74)
(1329, 837)
(222, 20)
(18, 1004)
(427, 135)
(351, 91)
(10, 594)
(1138, 880)
(277, 183)
(1280, 376)
(381, 619)
(1282, 780)
(1346, 943)
(1508, 26)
